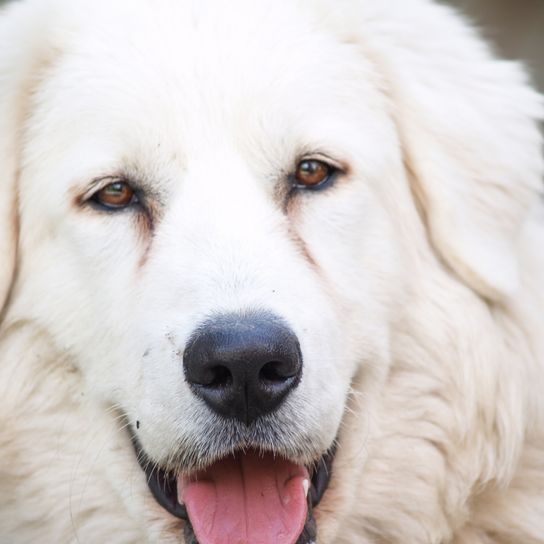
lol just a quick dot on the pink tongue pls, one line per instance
(247, 499)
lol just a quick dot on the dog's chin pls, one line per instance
(249, 492)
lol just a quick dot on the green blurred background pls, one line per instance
(516, 27)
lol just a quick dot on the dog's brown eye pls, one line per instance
(312, 173)
(115, 196)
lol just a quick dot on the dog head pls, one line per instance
(221, 212)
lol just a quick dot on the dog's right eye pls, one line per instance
(115, 196)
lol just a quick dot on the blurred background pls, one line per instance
(515, 26)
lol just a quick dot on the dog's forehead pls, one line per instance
(194, 69)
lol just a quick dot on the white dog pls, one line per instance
(272, 272)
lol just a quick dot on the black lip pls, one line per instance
(163, 487)
(321, 477)
(162, 484)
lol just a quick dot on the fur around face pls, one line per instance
(414, 283)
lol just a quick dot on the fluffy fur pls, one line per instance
(414, 283)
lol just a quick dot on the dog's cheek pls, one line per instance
(359, 262)
(84, 295)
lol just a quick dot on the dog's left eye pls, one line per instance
(115, 196)
(313, 174)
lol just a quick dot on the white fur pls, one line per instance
(415, 284)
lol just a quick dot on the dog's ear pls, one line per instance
(21, 58)
(469, 128)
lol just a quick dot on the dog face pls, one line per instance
(178, 174)
(219, 223)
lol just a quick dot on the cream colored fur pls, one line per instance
(415, 284)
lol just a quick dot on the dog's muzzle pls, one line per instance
(243, 367)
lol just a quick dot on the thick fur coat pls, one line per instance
(415, 282)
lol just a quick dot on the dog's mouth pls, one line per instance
(245, 497)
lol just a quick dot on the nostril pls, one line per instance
(274, 372)
(218, 376)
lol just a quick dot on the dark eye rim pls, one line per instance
(135, 202)
(334, 171)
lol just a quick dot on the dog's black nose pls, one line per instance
(243, 366)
